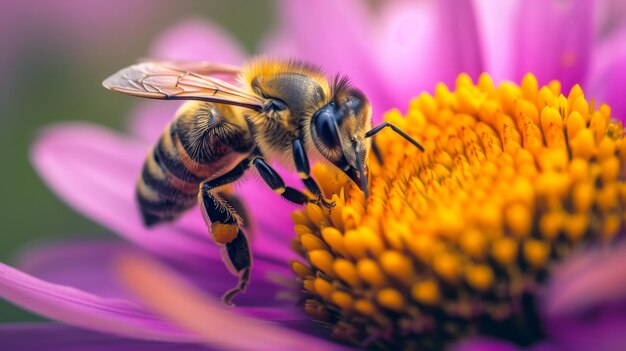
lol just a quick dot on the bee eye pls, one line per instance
(326, 128)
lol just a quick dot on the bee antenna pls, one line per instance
(399, 131)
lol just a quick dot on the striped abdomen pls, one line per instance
(204, 141)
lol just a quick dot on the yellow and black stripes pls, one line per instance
(167, 186)
(199, 144)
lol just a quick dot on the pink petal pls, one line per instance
(59, 337)
(197, 39)
(590, 279)
(149, 118)
(88, 265)
(80, 308)
(405, 49)
(192, 39)
(611, 90)
(554, 40)
(608, 74)
(496, 28)
(423, 43)
(82, 264)
(94, 170)
(610, 15)
(171, 296)
(335, 35)
(584, 306)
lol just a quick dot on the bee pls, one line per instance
(277, 110)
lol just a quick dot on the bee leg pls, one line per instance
(273, 179)
(399, 131)
(225, 228)
(304, 172)
(235, 202)
(239, 257)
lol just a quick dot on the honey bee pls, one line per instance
(279, 110)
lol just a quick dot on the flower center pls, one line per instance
(460, 239)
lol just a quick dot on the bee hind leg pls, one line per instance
(237, 256)
(224, 224)
(237, 204)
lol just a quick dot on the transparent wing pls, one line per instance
(207, 68)
(167, 81)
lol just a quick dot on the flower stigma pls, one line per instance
(460, 239)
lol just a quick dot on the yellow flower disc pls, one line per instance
(459, 239)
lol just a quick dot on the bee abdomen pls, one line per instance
(203, 141)
(169, 181)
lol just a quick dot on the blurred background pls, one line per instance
(53, 58)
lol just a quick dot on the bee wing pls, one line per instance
(207, 68)
(156, 80)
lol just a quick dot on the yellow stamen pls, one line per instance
(426, 292)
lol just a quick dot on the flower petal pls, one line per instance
(612, 87)
(88, 265)
(81, 264)
(584, 306)
(94, 171)
(192, 39)
(495, 22)
(173, 297)
(149, 119)
(423, 43)
(58, 337)
(334, 35)
(197, 39)
(608, 73)
(554, 40)
(610, 15)
(79, 308)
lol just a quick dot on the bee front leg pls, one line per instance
(225, 229)
(276, 183)
(304, 172)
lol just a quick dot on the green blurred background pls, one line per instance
(53, 57)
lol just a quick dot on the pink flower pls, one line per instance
(406, 48)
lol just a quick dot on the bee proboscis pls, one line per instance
(269, 110)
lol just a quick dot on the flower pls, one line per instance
(460, 240)
(410, 46)
(94, 170)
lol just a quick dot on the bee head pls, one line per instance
(338, 131)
